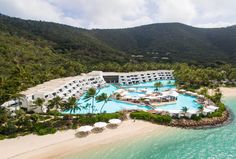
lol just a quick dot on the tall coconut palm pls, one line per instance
(90, 95)
(185, 110)
(55, 103)
(39, 102)
(103, 98)
(71, 105)
(157, 85)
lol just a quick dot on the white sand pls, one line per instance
(64, 143)
(228, 92)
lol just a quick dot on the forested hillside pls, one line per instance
(174, 42)
(32, 52)
(164, 42)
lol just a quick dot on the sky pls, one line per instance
(124, 13)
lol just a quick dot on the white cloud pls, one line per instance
(176, 11)
(124, 13)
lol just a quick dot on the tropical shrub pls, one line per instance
(161, 119)
(195, 117)
(141, 115)
(2, 137)
(87, 120)
(9, 128)
(156, 118)
(107, 117)
(45, 131)
(54, 113)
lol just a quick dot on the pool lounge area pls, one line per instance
(114, 105)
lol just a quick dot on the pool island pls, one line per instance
(72, 102)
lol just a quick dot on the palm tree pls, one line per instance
(185, 110)
(201, 108)
(39, 102)
(55, 103)
(90, 95)
(103, 97)
(71, 105)
(118, 96)
(157, 85)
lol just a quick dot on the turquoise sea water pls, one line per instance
(215, 143)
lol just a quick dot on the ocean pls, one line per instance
(214, 143)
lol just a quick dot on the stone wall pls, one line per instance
(202, 123)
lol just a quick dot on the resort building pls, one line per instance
(137, 77)
(78, 85)
(62, 87)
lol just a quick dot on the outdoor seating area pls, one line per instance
(98, 127)
(143, 96)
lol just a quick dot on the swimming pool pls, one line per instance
(182, 101)
(167, 84)
(110, 107)
(116, 105)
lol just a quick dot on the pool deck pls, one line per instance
(163, 103)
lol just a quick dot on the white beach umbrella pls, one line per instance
(100, 125)
(115, 121)
(86, 128)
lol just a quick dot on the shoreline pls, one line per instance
(65, 143)
(205, 123)
(228, 91)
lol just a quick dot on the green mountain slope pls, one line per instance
(176, 41)
(164, 42)
(76, 43)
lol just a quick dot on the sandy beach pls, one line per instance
(65, 143)
(228, 92)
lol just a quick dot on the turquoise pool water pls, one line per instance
(115, 105)
(111, 106)
(216, 143)
(150, 85)
(182, 101)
